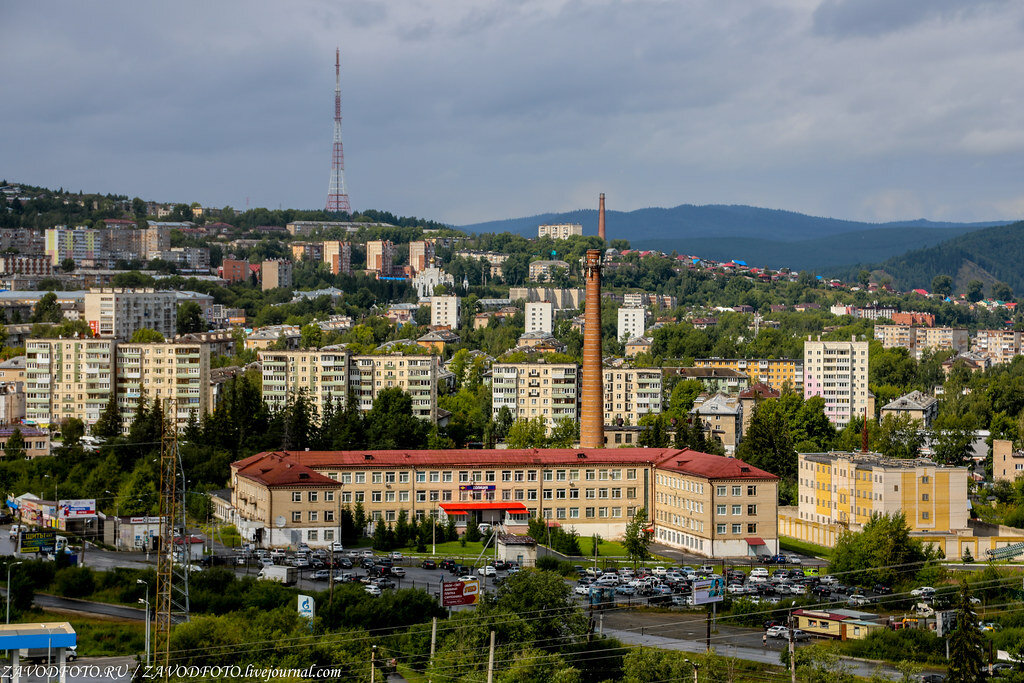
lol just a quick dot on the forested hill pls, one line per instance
(989, 255)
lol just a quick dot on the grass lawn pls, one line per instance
(812, 549)
(98, 637)
(453, 548)
(604, 548)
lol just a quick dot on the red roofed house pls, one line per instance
(285, 498)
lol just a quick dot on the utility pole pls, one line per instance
(373, 663)
(707, 641)
(792, 650)
(490, 661)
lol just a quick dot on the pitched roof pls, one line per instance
(759, 388)
(281, 469)
(915, 400)
(712, 466)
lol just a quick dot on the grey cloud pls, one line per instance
(846, 18)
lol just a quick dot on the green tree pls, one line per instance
(527, 433)
(942, 285)
(359, 519)
(472, 530)
(146, 335)
(768, 443)
(900, 436)
(14, 449)
(637, 538)
(881, 552)
(68, 265)
(109, 423)
(975, 290)
(565, 433)
(966, 643)
(190, 318)
(47, 310)
(311, 336)
(71, 431)
(390, 423)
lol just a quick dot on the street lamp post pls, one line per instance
(146, 601)
(12, 564)
(695, 666)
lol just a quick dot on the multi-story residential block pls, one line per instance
(638, 345)
(308, 251)
(778, 373)
(322, 375)
(338, 257)
(631, 393)
(714, 379)
(1000, 346)
(530, 390)
(157, 236)
(82, 245)
(632, 323)
(12, 402)
(561, 298)
(1007, 462)
(919, 340)
(234, 270)
(848, 488)
(421, 255)
(68, 378)
(640, 299)
(838, 372)
(276, 273)
(540, 271)
(415, 375)
(380, 256)
(23, 240)
(445, 311)
(540, 317)
(715, 506)
(560, 231)
(174, 373)
(918, 406)
(119, 313)
(494, 259)
(300, 228)
(37, 265)
(721, 416)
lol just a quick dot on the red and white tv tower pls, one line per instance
(337, 195)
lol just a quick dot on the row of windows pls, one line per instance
(433, 476)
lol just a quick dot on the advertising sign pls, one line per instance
(454, 593)
(78, 508)
(307, 606)
(476, 487)
(706, 591)
(38, 541)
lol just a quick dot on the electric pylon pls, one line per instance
(171, 572)
(337, 194)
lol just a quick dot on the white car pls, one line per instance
(923, 591)
(397, 571)
(706, 569)
(857, 600)
(793, 559)
(759, 571)
(487, 570)
(582, 589)
(321, 575)
(337, 547)
(372, 589)
(736, 588)
(607, 580)
(828, 580)
(659, 571)
(798, 589)
(396, 555)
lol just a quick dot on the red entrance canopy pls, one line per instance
(754, 540)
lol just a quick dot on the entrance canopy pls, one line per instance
(463, 508)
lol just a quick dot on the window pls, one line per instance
(751, 490)
(435, 477)
(720, 528)
(389, 496)
(631, 492)
(720, 490)
(602, 512)
(736, 528)
(720, 509)
(329, 496)
(314, 516)
(328, 535)
(751, 528)
(590, 475)
(447, 476)
(751, 510)
(924, 480)
(296, 496)
(403, 477)
(421, 477)
(616, 493)
(924, 515)
(389, 477)
(376, 497)
(924, 496)
(591, 493)
(737, 490)
(296, 516)
(574, 513)
(378, 477)
(312, 535)
(589, 513)
(737, 509)
(360, 477)
(360, 496)
(631, 474)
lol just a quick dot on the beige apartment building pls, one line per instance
(847, 488)
(722, 418)
(560, 231)
(13, 369)
(838, 372)
(380, 256)
(999, 346)
(778, 373)
(276, 273)
(715, 506)
(1007, 463)
(919, 340)
(541, 271)
(119, 313)
(918, 406)
(421, 255)
(631, 393)
(67, 378)
(530, 390)
(322, 374)
(338, 257)
(176, 374)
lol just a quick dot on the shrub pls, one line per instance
(74, 582)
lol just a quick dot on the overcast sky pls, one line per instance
(471, 110)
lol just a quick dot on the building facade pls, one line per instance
(173, 373)
(276, 273)
(119, 313)
(530, 390)
(234, 270)
(1007, 462)
(540, 271)
(68, 378)
(82, 245)
(916, 405)
(540, 317)
(380, 256)
(445, 311)
(632, 323)
(999, 346)
(631, 393)
(421, 255)
(321, 374)
(560, 231)
(838, 372)
(919, 340)
(778, 373)
(338, 257)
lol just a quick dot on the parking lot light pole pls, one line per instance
(146, 601)
(12, 564)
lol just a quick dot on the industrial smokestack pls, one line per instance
(600, 218)
(592, 422)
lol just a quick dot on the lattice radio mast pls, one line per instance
(171, 577)
(337, 194)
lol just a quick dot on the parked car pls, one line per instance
(372, 589)
(923, 592)
(858, 600)
(396, 555)
(321, 575)
(682, 600)
(607, 580)
(337, 547)
(706, 569)
(625, 589)
(759, 571)
(659, 571)
(882, 590)
(428, 564)
(793, 559)
(487, 570)
(594, 571)
(397, 571)
(384, 583)
(822, 591)
(777, 632)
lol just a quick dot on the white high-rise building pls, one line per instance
(444, 312)
(632, 323)
(838, 372)
(540, 317)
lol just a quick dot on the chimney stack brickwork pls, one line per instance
(592, 413)
(600, 218)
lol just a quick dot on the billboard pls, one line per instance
(307, 606)
(78, 508)
(706, 591)
(38, 541)
(454, 593)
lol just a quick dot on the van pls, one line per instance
(15, 530)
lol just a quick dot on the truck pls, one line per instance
(279, 573)
(48, 655)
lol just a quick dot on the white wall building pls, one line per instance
(632, 323)
(428, 278)
(540, 317)
(838, 372)
(444, 311)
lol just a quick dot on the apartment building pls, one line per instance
(918, 406)
(234, 270)
(82, 245)
(173, 373)
(12, 402)
(308, 251)
(632, 323)
(838, 372)
(561, 298)
(68, 378)
(999, 346)
(559, 231)
(722, 418)
(38, 265)
(847, 488)
(421, 255)
(338, 257)
(1007, 463)
(715, 506)
(157, 237)
(445, 311)
(778, 373)
(529, 390)
(631, 393)
(540, 271)
(321, 374)
(919, 340)
(380, 256)
(593, 490)
(276, 273)
(540, 317)
(415, 375)
(119, 313)
(639, 299)
(494, 259)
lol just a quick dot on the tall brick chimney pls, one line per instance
(600, 218)
(592, 418)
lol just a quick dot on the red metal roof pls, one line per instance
(712, 466)
(278, 469)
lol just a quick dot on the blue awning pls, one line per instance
(51, 635)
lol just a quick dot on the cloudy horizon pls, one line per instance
(466, 112)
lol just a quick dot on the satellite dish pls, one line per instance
(280, 521)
